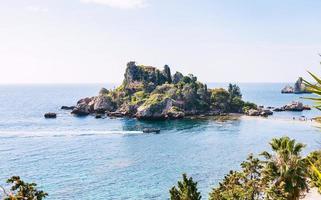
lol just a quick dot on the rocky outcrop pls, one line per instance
(259, 112)
(293, 106)
(287, 90)
(299, 87)
(150, 93)
(67, 107)
(50, 115)
(103, 103)
(99, 104)
(140, 77)
(103, 91)
(159, 107)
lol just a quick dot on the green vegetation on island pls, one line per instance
(150, 93)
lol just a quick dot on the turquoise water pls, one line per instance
(87, 158)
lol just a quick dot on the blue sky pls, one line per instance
(90, 41)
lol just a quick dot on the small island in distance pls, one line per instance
(299, 88)
(150, 93)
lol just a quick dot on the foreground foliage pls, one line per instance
(314, 160)
(282, 174)
(186, 190)
(21, 190)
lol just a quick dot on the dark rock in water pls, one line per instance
(151, 130)
(306, 107)
(98, 116)
(67, 107)
(81, 110)
(294, 106)
(266, 112)
(278, 109)
(50, 115)
(253, 112)
(115, 114)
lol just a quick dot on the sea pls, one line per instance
(80, 158)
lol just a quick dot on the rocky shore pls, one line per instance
(150, 93)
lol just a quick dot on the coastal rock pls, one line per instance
(103, 91)
(299, 86)
(175, 113)
(98, 116)
(103, 103)
(253, 112)
(294, 106)
(81, 110)
(84, 107)
(158, 107)
(259, 112)
(279, 109)
(266, 112)
(67, 107)
(306, 107)
(287, 89)
(50, 115)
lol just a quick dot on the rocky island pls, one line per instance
(150, 93)
(299, 88)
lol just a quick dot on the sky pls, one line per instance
(90, 41)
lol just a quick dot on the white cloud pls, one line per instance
(33, 8)
(122, 4)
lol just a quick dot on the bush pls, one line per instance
(186, 190)
(219, 99)
(21, 190)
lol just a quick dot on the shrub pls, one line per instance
(186, 190)
(21, 190)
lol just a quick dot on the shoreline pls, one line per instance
(287, 120)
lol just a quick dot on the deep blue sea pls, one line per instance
(86, 158)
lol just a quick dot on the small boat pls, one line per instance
(151, 130)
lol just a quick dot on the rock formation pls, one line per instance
(293, 106)
(150, 93)
(287, 89)
(299, 87)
